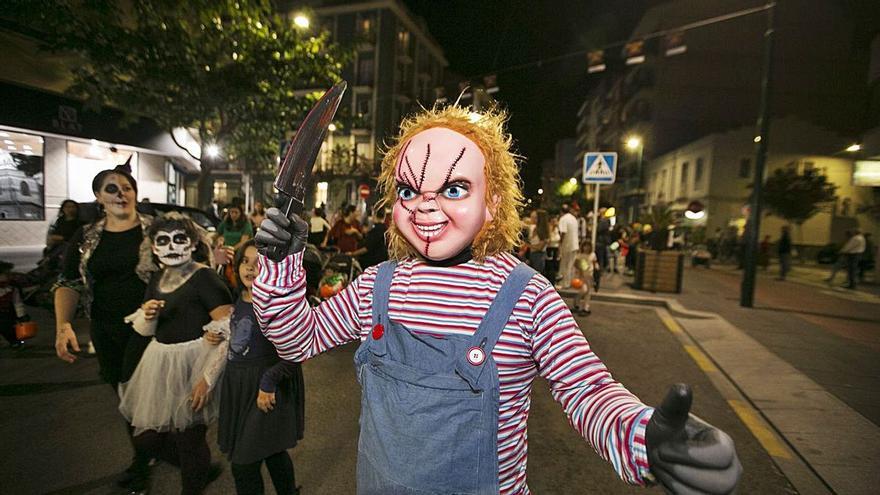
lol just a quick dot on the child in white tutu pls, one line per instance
(168, 398)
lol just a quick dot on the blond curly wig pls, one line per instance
(503, 191)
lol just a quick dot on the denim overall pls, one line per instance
(429, 406)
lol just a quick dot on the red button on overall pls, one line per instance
(378, 331)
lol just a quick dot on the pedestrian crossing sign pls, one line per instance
(600, 167)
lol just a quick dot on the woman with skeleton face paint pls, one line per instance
(106, 269)
(168, 399)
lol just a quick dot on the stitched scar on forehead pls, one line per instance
(452, 167)
(400, 173)
(424, 165)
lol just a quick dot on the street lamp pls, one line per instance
(301, 21)
(212, 150)
(635, 143)
(854, 148)
(540, 191)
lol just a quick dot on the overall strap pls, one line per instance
(381, 290)
(495, 320)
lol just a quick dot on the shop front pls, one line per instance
(51, 148)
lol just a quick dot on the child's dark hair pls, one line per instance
(239, 259)
(178, 221)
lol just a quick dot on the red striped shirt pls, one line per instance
(540, 338)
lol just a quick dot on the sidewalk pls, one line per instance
(826, 445)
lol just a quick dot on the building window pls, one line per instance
(366, 27)
(21, 174)
(684, 176)
(402, 42)
(363, 105)
(365, 71)
(662, 189)
(320, 194)
(698, 174)
(745, 168)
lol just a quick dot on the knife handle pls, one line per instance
(278, 253)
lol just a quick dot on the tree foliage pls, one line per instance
(235, 71)
(796, 197)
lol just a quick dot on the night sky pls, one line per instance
(492, 35)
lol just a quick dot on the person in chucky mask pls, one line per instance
(454, 329)
(186, 312)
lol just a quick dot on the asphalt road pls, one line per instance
(61, 434)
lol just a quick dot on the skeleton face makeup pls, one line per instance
(173, 248)
(117, 196)
(441, 193)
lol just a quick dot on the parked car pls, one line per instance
(88, 212)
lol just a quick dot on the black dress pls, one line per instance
(247, 434)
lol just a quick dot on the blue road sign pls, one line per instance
(600, 167)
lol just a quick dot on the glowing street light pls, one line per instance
(331, 127)
(301, 21)
(212, 150)
(854, 147)
(634, 142)
(540, 191)
(573, 181)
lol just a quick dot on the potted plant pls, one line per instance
(658, 268)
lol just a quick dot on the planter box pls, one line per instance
(659, 271)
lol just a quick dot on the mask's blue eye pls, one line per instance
(405, 193)
(455, 191)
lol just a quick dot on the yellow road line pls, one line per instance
(670, 323)
(701, 359)
(766, 437)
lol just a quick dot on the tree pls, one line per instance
(233, 71)
(796, 197)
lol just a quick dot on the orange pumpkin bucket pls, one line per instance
(26, 330)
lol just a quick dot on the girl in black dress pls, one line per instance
(168, 398)
(261, 399)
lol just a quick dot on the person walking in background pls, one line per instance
(551, 263)
(568, 246)
(318, 228)
(539, 233)
(12, 310)
(783, 249)
(262, 397)
(603, 240)
(235, 228)
(258, 214)
(375, 248)
(586, 269)
(852, 253)
(106, 269)
(64, 226)
(346, 233)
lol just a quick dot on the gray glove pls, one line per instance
(687, 455)
(280, 236)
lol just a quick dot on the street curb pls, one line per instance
(802, 475)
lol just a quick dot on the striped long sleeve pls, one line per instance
(540, 338)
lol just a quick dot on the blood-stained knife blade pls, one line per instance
(295, 170)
